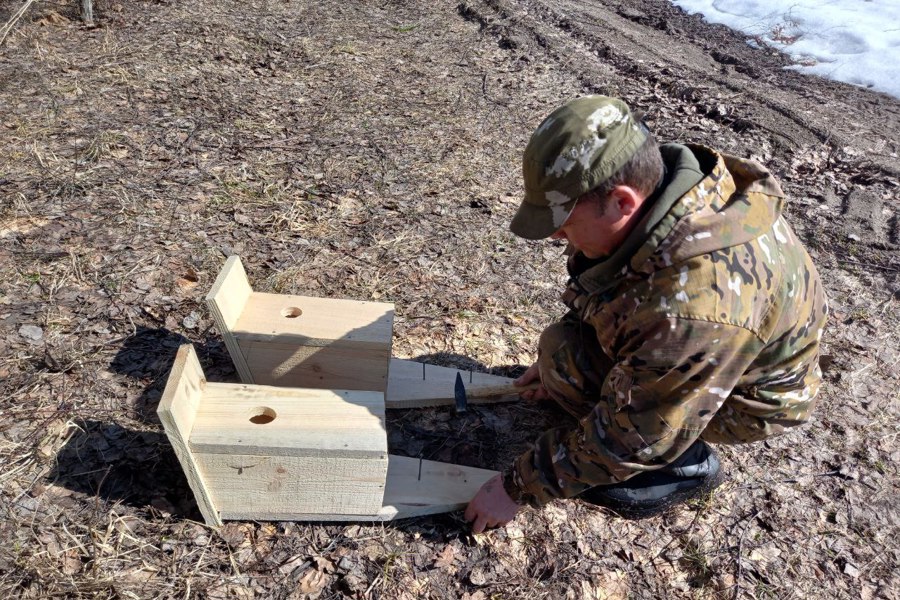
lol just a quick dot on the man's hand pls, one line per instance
(537, 394)
(491, 506)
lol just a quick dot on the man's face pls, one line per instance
(595, 227)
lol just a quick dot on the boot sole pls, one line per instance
(631, 511)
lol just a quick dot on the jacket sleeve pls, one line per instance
(668, 381)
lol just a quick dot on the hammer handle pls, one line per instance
(505, 389)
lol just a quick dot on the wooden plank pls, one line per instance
(177, 411)
(317, 321)
(414, 488)
(227, 300)
(424, 487)
(263, 487)
(407, 389)
(294, 365)
(276, 421)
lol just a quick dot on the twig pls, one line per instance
(8, 26)
(371, 585)
(868, 265)
(740, 550)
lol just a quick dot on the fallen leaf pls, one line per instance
(190, 321)
(446, 557)
(477, 576)
(71, 563)
(53, 18)
(188, 280)
(311, 582)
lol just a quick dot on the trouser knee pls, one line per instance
(572, 365)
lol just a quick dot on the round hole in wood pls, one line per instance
(291, 312)
(262, 415)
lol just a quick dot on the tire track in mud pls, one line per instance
(610, 48)
(632, 48)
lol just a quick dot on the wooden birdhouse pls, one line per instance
(315, 446)
(298, 454)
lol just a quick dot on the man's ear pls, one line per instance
(625, 200)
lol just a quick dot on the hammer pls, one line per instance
(461, 395)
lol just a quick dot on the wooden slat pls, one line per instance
(304, 422)
(407, 389)
(414, 488)
(226, 301)
(177, 411)
(300, 341)
(261, 487)
(317, 321)
(293, 365)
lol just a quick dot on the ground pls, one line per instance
(370, 150)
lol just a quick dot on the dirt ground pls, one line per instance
(370, 150)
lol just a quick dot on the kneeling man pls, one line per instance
(695, 315)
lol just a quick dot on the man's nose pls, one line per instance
(559, 234)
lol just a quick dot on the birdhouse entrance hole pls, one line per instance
(262, 415)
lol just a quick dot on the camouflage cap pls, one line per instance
(578, 147)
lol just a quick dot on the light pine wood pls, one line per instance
(260, 452)
(425, 487)
(226, 301)
(300, 422)
(407, 389)
(300, 341)
(263, 487)
(414, 488)
(486, 392)
(317, 321)
(177, 411)
(315, 451)
(336, 367)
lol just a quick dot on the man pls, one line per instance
(694, 316)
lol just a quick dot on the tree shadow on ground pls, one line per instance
(148, 356)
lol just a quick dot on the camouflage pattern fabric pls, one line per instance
(709, 329)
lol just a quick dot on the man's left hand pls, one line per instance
(491, 506)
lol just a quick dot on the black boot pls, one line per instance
(694, 473)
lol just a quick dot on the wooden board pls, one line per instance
(289, 364)
(263, 487)
(177, 411)
(317, 321)
(414, 488)
(226, 301)
(270, 453)
(407, 389)
(424, 487)
(264, 420)
(300, 341)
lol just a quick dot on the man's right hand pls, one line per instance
(537, 394)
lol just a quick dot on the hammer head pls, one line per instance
(459, 394)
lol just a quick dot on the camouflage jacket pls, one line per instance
(711, 313)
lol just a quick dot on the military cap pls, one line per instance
(578, 147)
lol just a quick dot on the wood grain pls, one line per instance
(177, 411)
(407, 389)
(226, 301)
(303, 422)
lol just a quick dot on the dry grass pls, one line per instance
(366, 151)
